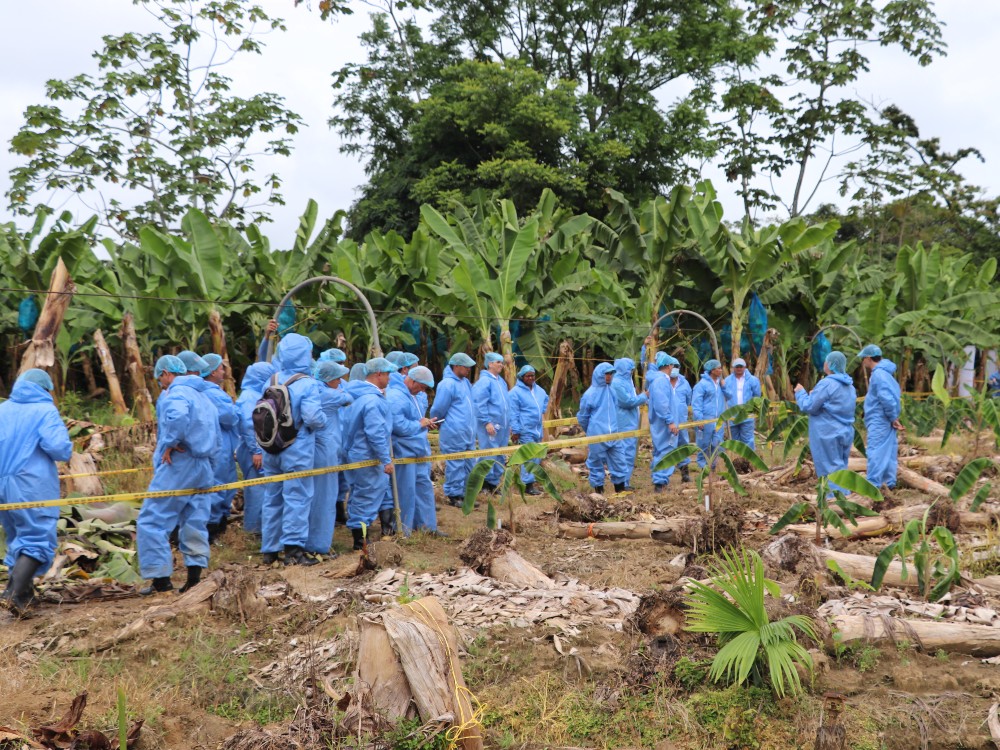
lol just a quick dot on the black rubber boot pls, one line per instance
(342, 512)
(269, 558)
(359, 538)
(599, 490)
(387, 519)
(531, 489)
(488, 487)
(159, 586)
(194, 578)
(295, 555)
(619, 486)
(456, 501)
(213, 531)
(22, 583)
(658, 488)
(685, 477)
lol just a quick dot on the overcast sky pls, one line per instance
(955, 98)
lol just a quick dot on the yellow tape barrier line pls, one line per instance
(133, 496)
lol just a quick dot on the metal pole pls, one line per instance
(711, 331)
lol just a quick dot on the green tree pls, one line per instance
(157, 131)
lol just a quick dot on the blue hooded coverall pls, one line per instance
(489, 395)
(323, 509)
(368, 429)
(253, 385)
(682, 401)
(708, 401)
(32, 438)
(527, 412)
(830, 406)
(628, 403)
(453, 402)
(409, 440)
(598, 415)
(742, 431)
(225, 463)
(285, 513)
(426, 513)
(882, 408)
(186, 421)
(662, 414)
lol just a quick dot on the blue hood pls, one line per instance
(886, 365)
(296, 353)
(26, 392)
(597, 379)
(841, 377)
(624, 367)
(449, 374)
(257, 375)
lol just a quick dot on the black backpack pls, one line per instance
(272, 416)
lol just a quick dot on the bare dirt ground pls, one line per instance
(200, 678)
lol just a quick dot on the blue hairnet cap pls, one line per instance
(379, 364)
(328, 370)
(461, 359)
(402, 359)
(524, 371)
(421, 375)
(662, 360)
(870, 351)
(674, 361)
(837, 362)
(169, 363)
(358, 372)
(333, 355)
(192, 361)
(212, 362)
(38, 377)
(711, 365)
(492, 357)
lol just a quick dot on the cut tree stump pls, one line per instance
(492, 553)
(422, 641)
(41, 351)
(108, 365)
(958, 638)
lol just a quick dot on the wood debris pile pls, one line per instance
(325, 660)
(872, 605)
(476, 601)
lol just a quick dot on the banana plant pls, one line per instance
(829, 492)
(510, 482)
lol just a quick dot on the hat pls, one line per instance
(461, 359)
(212, 363)
(711, 365)
(402, 359)
(326, 371)
(492, 357)
(870, 351)
(379, 364)
(334, 355)
(739, 362)
(422, 375)
(38, 377)
(524, 371)
(837, 362)
(358, 371)
(169, 363)
(192, 361)
(664, 360)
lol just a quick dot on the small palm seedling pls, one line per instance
(829, 493)
(933, 555)
(510, 482)
(751, 645)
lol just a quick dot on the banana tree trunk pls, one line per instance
(219, 347)
(108, 365)
(507, 349)
(563, 366)
(88, 374)
(739, 297)
(904, 368)
(141, 399)
(41, 351)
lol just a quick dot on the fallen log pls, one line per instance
(907, 476)
(672, 531)
(108, 365)
(888, 522)
(957, 638)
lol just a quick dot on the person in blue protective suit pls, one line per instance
(32, 438)
(993, 385)
(741, 386)
(454, 411)
(489, 395)
(409, 438)
(598, 415)
(249, 455)
(830, 406)
(214, 374)
(357, 375)
(656, 369)
(322, 510)
(663, 425)
(187, 439)
(285, 513)
(423, 518)
(367, 433)
(708, 401)
(882, 409)
(628, 403)
(528, 403)
(682, 402)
